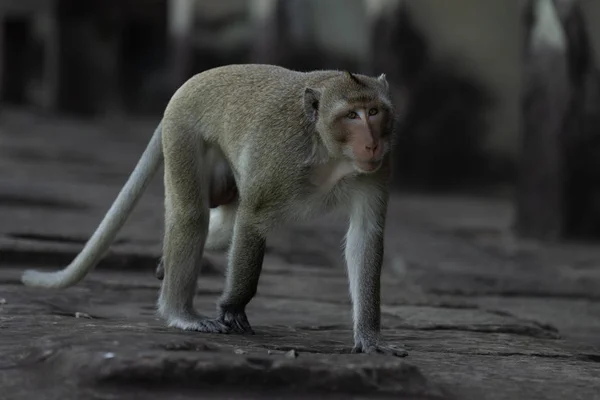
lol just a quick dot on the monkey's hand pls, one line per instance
(236, 321)
(226, 322)
(377, 346)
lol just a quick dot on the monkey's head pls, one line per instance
(354, 117)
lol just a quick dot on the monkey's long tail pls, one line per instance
(99, 243)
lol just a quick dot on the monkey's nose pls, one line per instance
(372, 147)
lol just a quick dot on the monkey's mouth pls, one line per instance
(368, 166)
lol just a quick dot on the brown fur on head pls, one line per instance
(353, 115)
(354, 78)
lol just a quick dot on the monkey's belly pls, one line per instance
(223, 188)
(223, 197)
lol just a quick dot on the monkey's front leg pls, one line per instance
(364, 256)
(243, 271)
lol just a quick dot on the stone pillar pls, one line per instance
(180, 27)
(283, 32)
(47, 30)
(546, 99)
(2, 54)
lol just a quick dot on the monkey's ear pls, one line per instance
(311, 103)
(382, 79)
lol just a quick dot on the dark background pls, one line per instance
(502, 96)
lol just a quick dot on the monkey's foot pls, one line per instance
(236, 321)
(199, 324)
(379, 348)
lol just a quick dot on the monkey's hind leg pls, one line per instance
(186, 228)
(220, 232)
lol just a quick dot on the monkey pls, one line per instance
(297, 145)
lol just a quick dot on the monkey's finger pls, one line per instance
(383, 349)
(212, 326)
(223, 328)
(245, 325)
(238, 322)
(241, 326)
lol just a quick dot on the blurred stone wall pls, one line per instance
(123, 55)
(591, 14)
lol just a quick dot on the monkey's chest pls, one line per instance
(325, 178)
(328, 185)
(312, 205)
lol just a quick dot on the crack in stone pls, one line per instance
(60, 257)
(301, 349)
(594, 358)
(60, 157)
(541, 325)
(508, 328)
(185, 346)
(515, 294)
(23, 201)
(589, 357)
(57, 238)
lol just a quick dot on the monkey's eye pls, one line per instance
(352, 115)
(373, 111)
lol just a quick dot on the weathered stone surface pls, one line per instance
(482, 314)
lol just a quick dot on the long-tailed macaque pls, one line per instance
(261, 145)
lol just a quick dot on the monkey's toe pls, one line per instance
(380, 348)
(198, 324)
(237, 321)
(212, 326)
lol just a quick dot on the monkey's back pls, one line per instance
(244, 98)
(249, 110)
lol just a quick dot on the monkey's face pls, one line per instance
(354, 119)
(360, 132)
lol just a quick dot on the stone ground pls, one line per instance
(483, 315)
